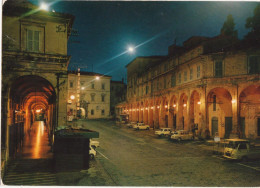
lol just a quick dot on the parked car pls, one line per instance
(92, 152)
(182, 135)
(240, 149)
(164, 132)
(94, 143)
(141, 126)
(131, 124)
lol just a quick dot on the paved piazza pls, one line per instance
(139, 158)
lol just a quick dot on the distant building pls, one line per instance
(89, 95)
(117, 95)
(211, 85)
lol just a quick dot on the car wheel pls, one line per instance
(137, 128)
(147, 128)
(179, 139)
(91, 156)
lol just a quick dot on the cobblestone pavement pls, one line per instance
(139, 158)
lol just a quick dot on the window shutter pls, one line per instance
(29, 40)
(36, 41)
(218, 69)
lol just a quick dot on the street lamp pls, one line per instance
(97, 78)
(72, 97)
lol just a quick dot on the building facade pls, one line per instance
(117, 95)
(208, 84)
(88, 95)
(34, 71)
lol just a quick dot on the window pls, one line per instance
(112, 88)
(146, 89)
(164, 82)
(242, 146)
(92, 85)
(185, 76)
(92, 96)
(179, 78)
(254, 65)
(214, 102)
(92, 112)
(198, 71)
(157, 85)
(32, 43)
(191, 74)
(103, 112)
(82, 83)
(218, 69)
(173, 80)
(102, 97)
(152, 87)
(165, 67)
(103, 86)
(71, 84)
(82, 96)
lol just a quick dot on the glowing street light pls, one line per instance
(97, 77)
(72, 97)
(44, 6)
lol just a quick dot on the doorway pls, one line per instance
(174, 122)
(166, 121)
(228, 126)
(242, 127)
(214, 126)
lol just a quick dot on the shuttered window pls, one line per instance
(218, 69)
(254, 65)
(173, 80)
(33, 41)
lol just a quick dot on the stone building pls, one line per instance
(117, 95)
(34, 71)
(88, 95)
(211, 84)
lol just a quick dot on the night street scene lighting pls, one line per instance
(130, 93)
(44, 6)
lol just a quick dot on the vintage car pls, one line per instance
(131, 124)
(94, 143)
(240, 149)
(139, 126)
(164, 132)
(92, 152)
(182, 135)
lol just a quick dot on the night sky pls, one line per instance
(106, 29)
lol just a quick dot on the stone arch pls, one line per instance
(194, 109)
(173, 112)
(150, 113)
(31, 98)
(157, 107)
(137, 112)
(182, 123)
(219, 104)
(163, 121)
(249, 118)
(145, 112)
